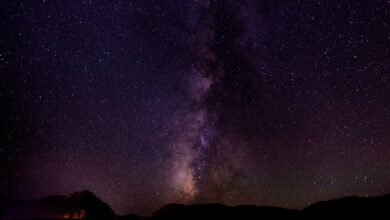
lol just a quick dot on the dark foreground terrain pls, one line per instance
(85, 205)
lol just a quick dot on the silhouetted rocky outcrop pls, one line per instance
(79, 205)
(85, 205)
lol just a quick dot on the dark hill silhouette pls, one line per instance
(85, 205)
(78, 205)
(352, 208)
(219, 211)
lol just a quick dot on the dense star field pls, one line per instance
(151, 102)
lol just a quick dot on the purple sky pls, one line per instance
(151, 102)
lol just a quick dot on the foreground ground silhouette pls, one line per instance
(85, 205)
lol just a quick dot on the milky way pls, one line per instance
(146, 103)
(199, 172)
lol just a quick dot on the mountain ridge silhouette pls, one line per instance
(86, 205)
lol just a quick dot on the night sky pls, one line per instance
(151, 102)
